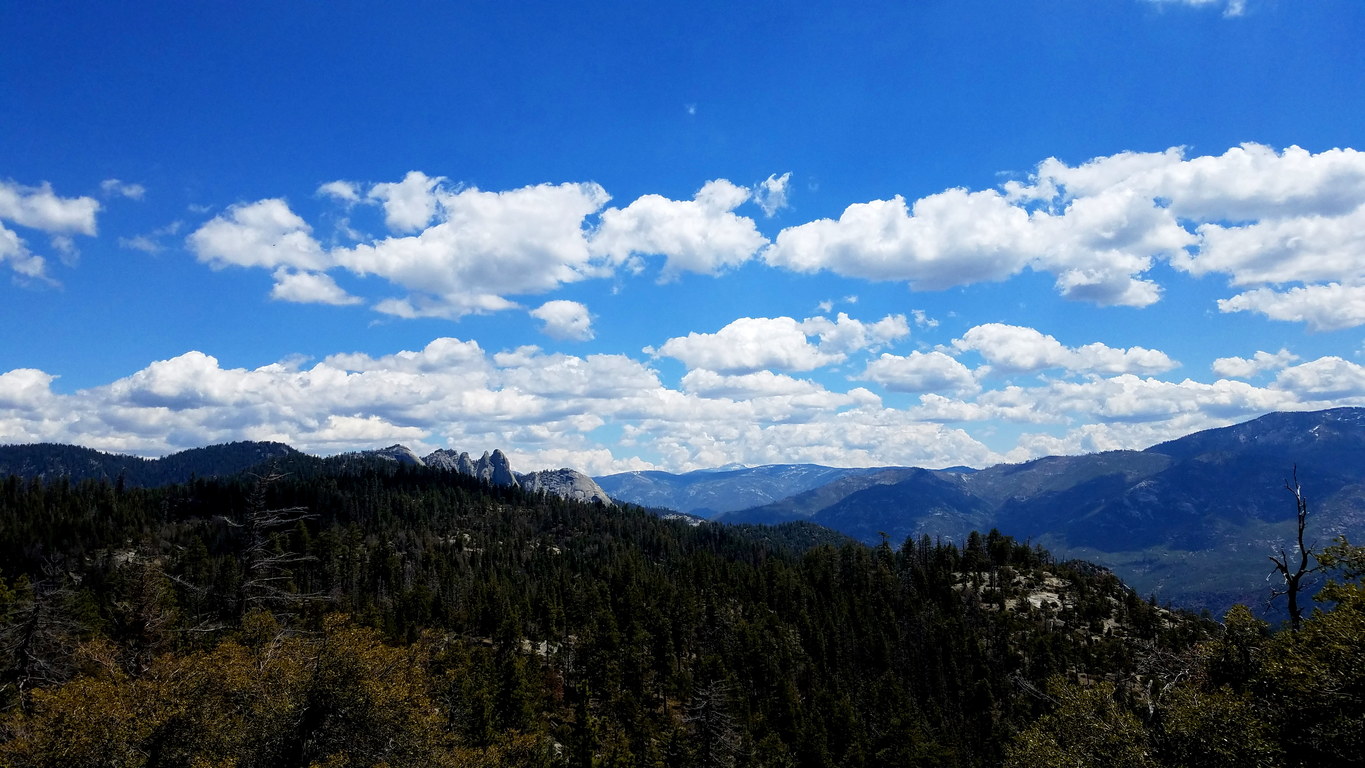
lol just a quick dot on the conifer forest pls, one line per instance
(356, 612)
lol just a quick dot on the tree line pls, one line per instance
(358, 612)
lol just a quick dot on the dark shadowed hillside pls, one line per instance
(51, 461)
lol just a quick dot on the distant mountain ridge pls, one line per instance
(53, 460)
(712, 492)
(495, 468)
(1185, 518)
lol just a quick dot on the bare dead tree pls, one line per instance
(1293, 574)
(713, 726)
(40, 636)
(145, 612)
(268, 583)
(1164, 669)
(1029, 688)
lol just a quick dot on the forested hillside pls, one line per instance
(53, 460)
(1190, 520)
(361, 612)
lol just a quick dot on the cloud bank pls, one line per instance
(610, 412)
(453, 250)
(1287, 224)
(1285, 229)
(1280, 229)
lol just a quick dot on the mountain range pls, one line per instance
(1192, 520)
(709, 493)
(52, 461)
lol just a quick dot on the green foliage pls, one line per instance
(1244, 698)
(1234, 658)
(1089, 728)
(1348, 563)
(342, 698)
(1313, 685)
(1215, 729)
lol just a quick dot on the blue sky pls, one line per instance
(679, 235)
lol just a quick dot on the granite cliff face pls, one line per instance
(451, 460)
(399, 453)
(569, 483)
(496, 469)
(493, 468)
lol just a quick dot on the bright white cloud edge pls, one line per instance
(42, 210)
(546, 409)
(1285, 227)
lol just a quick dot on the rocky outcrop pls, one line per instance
(465, 465)
(496, 469)
(567, 483)
(445, 458)
(399, 453)
(493, 468)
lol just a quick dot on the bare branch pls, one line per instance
(1294, 576)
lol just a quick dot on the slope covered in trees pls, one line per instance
(1245, 697)
(353, 612)
(1188, 519)
(53, 460)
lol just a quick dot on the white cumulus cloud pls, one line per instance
(309, 288)
(25, 388)
(1306, 249)
(345, 191)
(485, 247)
(15, 253)
(771, 193)
(751, 344)
(261, 234)
(708, 383)
(951, 238)
(1019, 349)
(1246, 368)
(701, 235)
(409, 205)
(564, 320)
(115, 187)
(921, 372)
(41, 209)
(1326, 307)
(475, 251)
(1328, 377)
(844, 335)
(547, 407)
(1285, 226)
(1260, 216)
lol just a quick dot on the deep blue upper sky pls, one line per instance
(678, 235)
